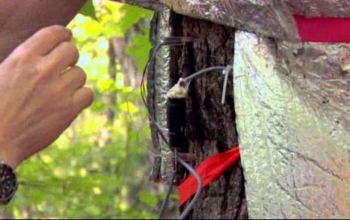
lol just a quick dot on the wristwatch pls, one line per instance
(8, 183)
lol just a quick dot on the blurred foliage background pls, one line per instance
(99, 167)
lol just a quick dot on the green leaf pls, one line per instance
(148, 198)
(88, 10)
(139, 48)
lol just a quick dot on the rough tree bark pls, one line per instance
(210, 127)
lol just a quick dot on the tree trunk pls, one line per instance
(210, 126)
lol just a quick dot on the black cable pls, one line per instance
(199, 188)
(166, 200)
(170, 41)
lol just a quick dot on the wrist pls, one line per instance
(8, 154)
(8, 178)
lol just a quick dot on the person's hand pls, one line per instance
(41, 93)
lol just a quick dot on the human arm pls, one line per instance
(35, 108)
(41, 93)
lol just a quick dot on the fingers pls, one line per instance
(74, 78)
(82, 98)
(46, 39)
(63, 56)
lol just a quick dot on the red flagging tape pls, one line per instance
(325, 29)
(209, 170)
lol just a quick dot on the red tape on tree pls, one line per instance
(329, 30)
(209, 170)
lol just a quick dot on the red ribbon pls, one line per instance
(327, 29)
(209, 170)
